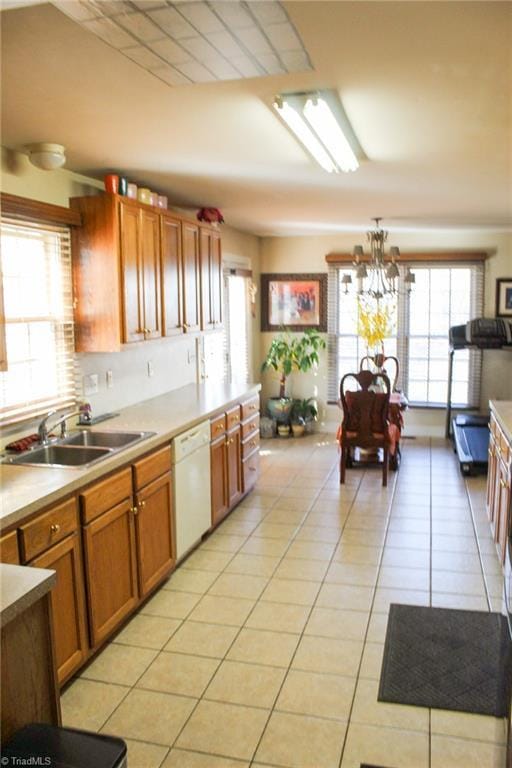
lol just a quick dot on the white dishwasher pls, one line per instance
(192, 497)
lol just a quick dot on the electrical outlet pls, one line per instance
(191, 356)
(91, 384)
(110, 379)
(151, 370)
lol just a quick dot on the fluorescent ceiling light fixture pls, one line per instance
(319, 122)
(305, 135)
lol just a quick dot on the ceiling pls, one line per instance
(426, 86)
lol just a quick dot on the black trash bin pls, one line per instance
(59, 747)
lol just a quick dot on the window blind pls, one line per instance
(38, 305)
(445, 294)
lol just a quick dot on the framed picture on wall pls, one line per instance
(504, 297)
(294, 302)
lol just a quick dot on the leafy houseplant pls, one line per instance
(302, 412)
(288, 353)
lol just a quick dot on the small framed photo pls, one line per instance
(294, 302)
(504, 297)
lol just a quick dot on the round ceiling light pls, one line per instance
(46, 156)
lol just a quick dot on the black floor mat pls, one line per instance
(447, 659)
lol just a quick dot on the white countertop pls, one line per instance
(25, 490)
(502, 409)
(21, 588)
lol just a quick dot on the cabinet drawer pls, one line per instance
(250, 407)
(152, 466)
(9, 549)
(233, 417)
(106, 494)
(48, 529)
(504, 447)
(218, 426)
(250, 426)
(251, 444)
(250, 471)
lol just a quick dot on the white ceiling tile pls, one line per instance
(80, 11)
(199, 48)
(246, 67)
(110, 32)
(267, 12)
(196, 72)
(170, 51)
(254, 40)
(271, 63)
(200, 16)
(171, 76)
(143, 56)
(283, 37)
(225, 43)
(221, 68)
(140, 26)
(112, 7)
(296, 61)
(172, 22)
(149, 5)
(233, 14)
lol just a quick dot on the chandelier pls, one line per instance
(378, 276)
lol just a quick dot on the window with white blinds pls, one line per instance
(226, 354)
(444, 294)
(38, 306)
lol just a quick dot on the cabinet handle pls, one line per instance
(252, 469)
(185, 325)
(252, 407)
(252, 443)
(219, 426)
(142, 504)
(503, 483)
(134, 510)
(54, 528)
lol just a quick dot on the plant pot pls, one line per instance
(298, 429)
(283, 430)
(309, 426)
(279, 408)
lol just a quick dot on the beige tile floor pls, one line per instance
(264, 648)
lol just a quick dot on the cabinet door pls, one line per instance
(191, 278)
(216, 278)
(491, 479)
(206, 279)
(219, 479)
(111, 569)
(234, 461)
(68, 604)
(133, 305)
(150, 266)
(502, 501)
(172, 299)
(9, 552)
(154, 532)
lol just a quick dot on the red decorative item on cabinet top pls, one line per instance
(210, 215)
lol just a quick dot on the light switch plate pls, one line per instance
(151, 370)
(110, 379)
(91, 384)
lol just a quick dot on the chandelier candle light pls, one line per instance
(381, 275)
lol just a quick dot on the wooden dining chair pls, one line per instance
(365, 417)
(380, 361)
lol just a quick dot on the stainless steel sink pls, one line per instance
(105, 439)
(81, 449)
(61, 456)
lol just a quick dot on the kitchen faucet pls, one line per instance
(43, 430)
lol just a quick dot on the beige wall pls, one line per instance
(307, 254)
(174, 361)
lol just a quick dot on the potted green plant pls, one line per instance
(290, 353)
(302, 414)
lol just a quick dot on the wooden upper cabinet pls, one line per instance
(150, 273)
(211, 279)
(172, 288)
(131, 273)
(191, 276)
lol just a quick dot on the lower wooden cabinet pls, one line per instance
(234, 464)
(9, 552)
(250, 471)
(110, 566)
(219, 480)
(154, 533)
(67, 600)
(499, 484)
